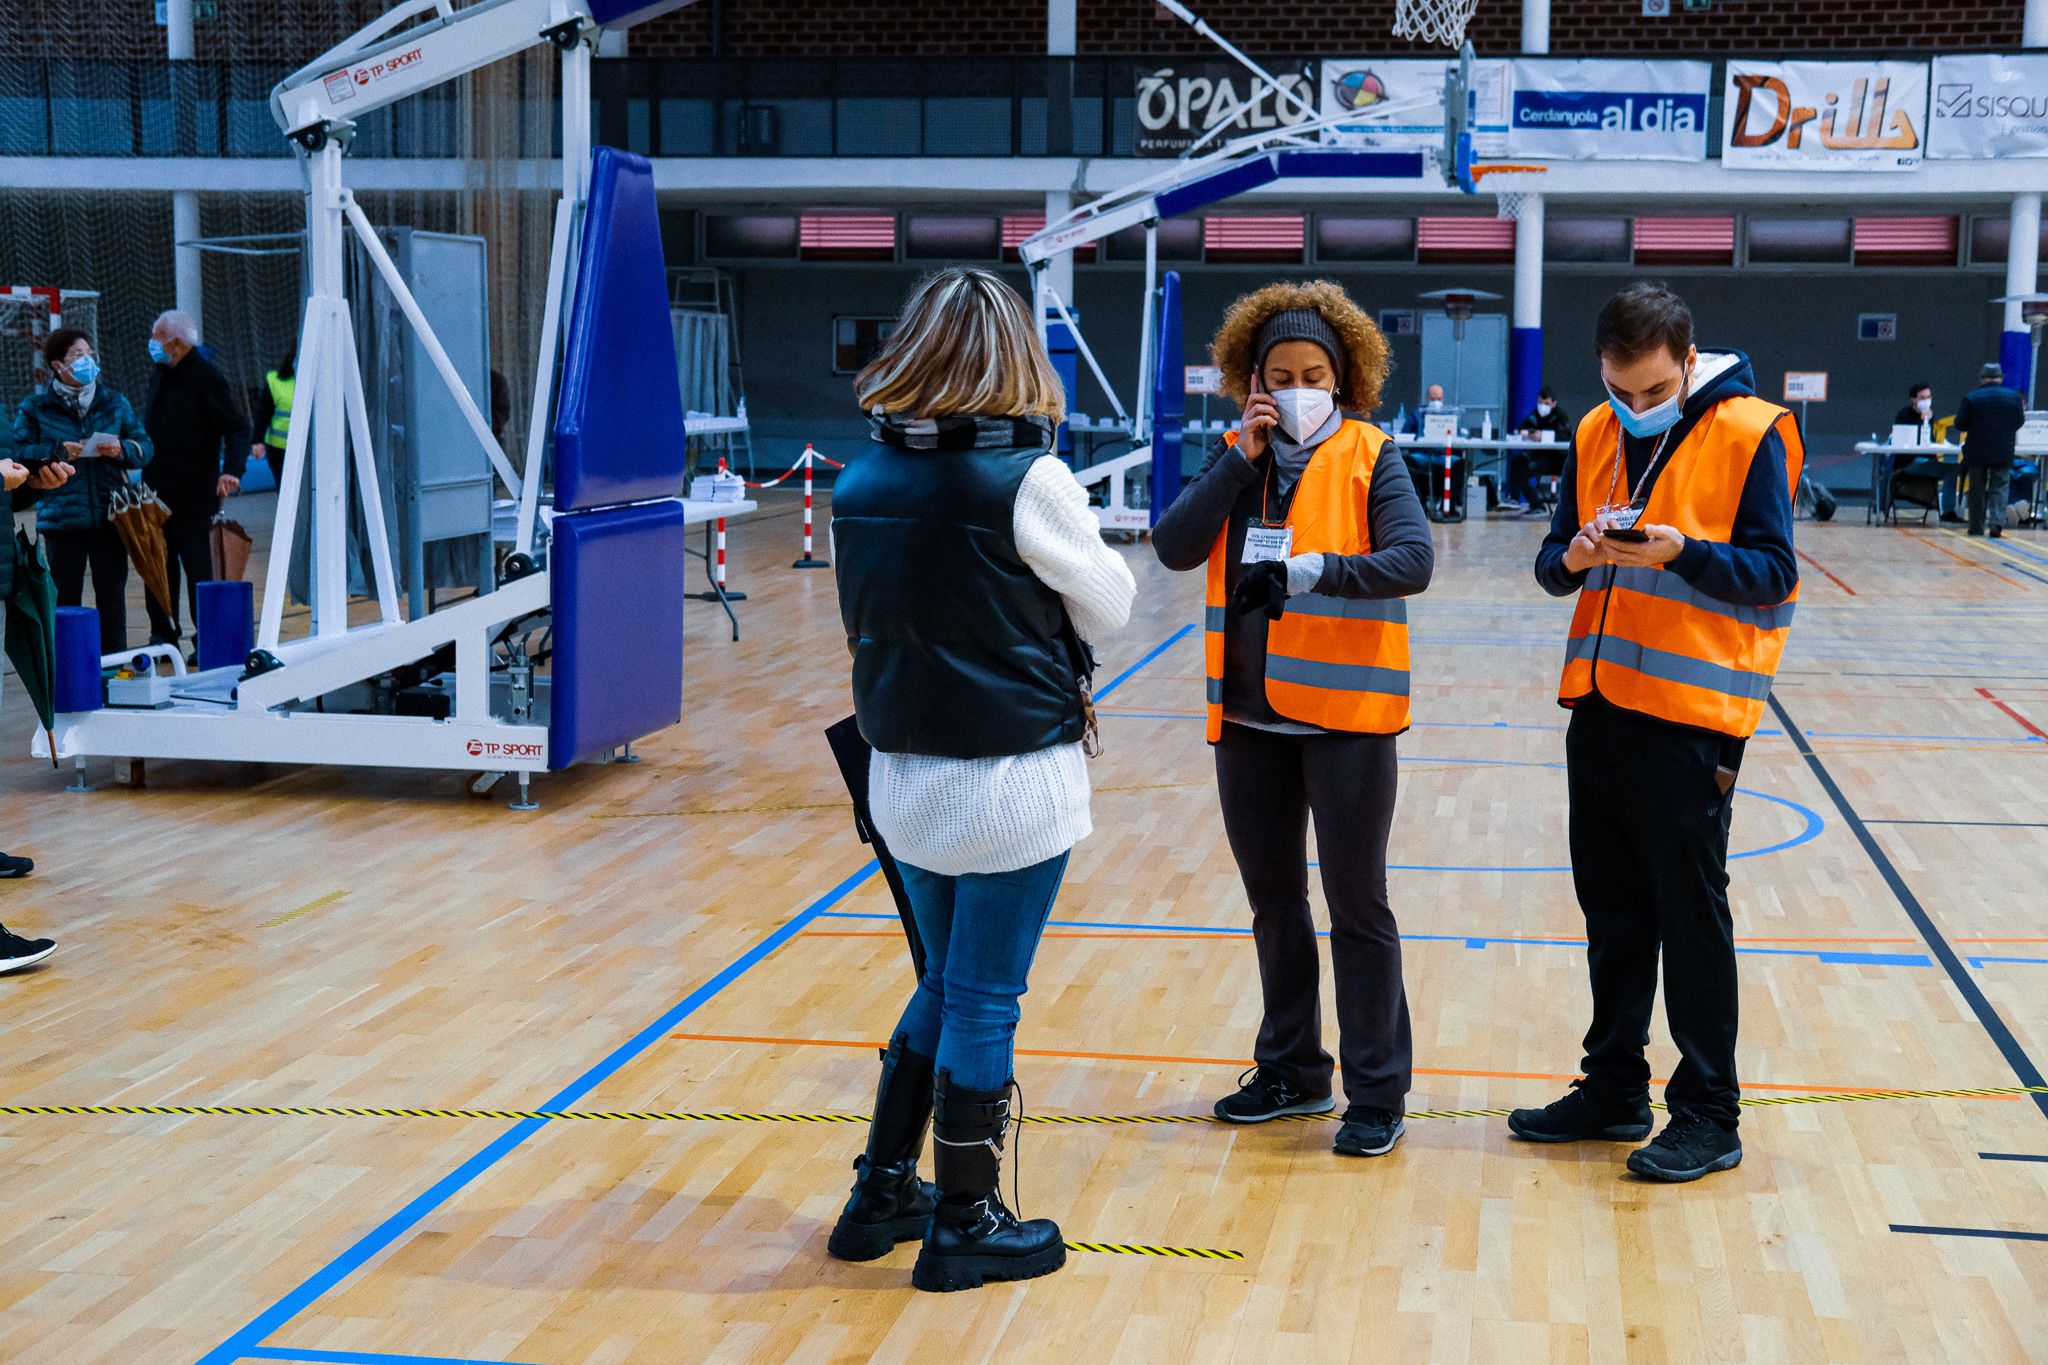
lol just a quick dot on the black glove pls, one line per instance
(1262, 588)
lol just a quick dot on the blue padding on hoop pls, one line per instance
(1305, 164)
(619, 426)
(617, 582)
(1210, 189)
(623, 13)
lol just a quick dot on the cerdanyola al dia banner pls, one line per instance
(1610, 110)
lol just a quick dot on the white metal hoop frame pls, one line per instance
(1433, 21)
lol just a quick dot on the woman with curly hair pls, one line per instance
(1310, 529)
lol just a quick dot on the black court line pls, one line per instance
(1987, 1014)
(1968, 824)
(2012, 1156)
(1973, 1232)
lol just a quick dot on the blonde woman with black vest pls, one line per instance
(1311, 533)
(972, 577)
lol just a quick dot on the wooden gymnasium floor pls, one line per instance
(701, 935)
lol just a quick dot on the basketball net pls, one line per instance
(1512, 187)
(1433, 21)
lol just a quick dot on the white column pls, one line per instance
(184, 203)
(1536, 25)
(1060, 28)
(2034, 30)
(2023, 253)
(1529, 264)
(1059, 270)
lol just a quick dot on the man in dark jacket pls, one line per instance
(1990, 417)
(202, 446)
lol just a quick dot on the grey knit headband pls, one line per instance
(1301, 324)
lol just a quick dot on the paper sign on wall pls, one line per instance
(1806, 386)
(1399, 102)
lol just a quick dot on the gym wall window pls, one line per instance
(855, 341)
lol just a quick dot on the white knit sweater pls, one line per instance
(954, 816)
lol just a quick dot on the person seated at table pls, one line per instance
(1525, 466)
(1919, 409)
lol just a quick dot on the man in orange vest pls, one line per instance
(1674, 527)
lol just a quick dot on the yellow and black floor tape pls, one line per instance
(1127, 1249)
(359, 1112)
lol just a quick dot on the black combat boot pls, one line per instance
(973, 1237)
(889, 1203)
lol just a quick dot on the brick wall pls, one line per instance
(1126, 27)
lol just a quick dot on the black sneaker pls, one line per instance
(1578, 1118)
(1691, 1145)
(17, 952)
(1369, 1132)
(11, 866)
(1261, 1096)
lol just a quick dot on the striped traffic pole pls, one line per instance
(719, 591)
(809, 561)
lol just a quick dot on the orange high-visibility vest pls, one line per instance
(1644, 638)
(1337, 662)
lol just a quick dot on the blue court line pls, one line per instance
(1168, 643)
(238, 1346)
(1842, 957)
(2012, 1156)
(242, 1343)
(1973, 1232)
(361, 1357)
(1987, 1014)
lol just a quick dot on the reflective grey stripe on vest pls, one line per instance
(1215, 618)
(1669, 667)
(1672, 587)
(1391, 609)
(1336, 677)
(1215, 691)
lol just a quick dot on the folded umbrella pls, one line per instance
(139, 516)
(230, 542)
(853, 754)
(31, 632)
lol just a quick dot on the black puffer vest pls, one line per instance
(959, 650)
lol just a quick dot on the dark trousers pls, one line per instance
(1990, 493)
(1270, 785)
(187, 547)
(274, 457)
(70, 552)
(1649, 841)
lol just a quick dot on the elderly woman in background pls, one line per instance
(85, 422)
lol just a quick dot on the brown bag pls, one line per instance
(230, 549)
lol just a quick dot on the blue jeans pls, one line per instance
(980, 933)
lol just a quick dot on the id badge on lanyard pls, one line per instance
(1262, 543)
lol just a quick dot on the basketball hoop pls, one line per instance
(1512, 186)
(1433, 21)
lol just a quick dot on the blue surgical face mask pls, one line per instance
(157, 352)
(1652, 421)
(84, 369)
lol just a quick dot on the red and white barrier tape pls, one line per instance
(804, 463)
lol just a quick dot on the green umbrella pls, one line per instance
(32, 632)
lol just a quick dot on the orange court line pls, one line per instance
(1960, 559)
(1244, 1062)
(1824, 569)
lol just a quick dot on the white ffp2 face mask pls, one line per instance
(1303, 411)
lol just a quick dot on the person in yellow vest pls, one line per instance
(274, 413)
(1674, 527)
(1311, 534)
